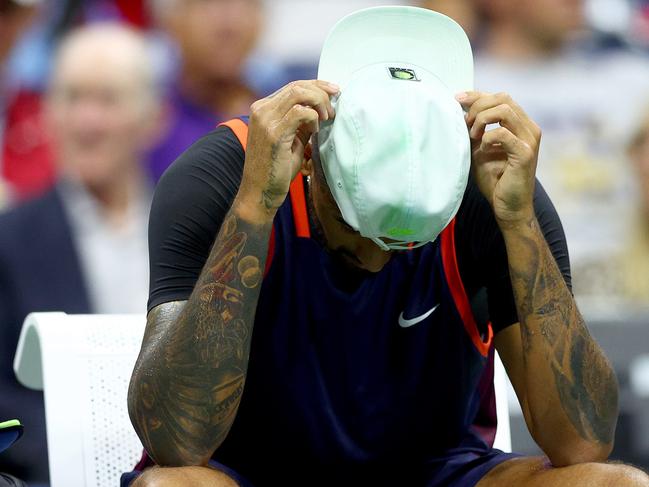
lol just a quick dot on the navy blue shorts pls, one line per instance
(465, 467)
(461, 467)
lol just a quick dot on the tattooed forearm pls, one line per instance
(553, 333)
(269, 195)
(189, 378)
(273, 194)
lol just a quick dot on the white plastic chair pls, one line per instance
(84, 363)
(503, 439)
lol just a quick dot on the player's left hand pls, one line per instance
(503, 159)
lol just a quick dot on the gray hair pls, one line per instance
(123, 39)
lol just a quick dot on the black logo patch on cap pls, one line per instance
(403, 74)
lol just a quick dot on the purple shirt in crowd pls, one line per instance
(186, 123)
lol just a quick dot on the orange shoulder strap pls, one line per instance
(460, 297)
(298, 198)
(240, 129)
(298, 203)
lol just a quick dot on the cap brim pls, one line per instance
(398, 34)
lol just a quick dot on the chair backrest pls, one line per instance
(502, 387)
(83, 363)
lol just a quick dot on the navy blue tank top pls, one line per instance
(366, 385)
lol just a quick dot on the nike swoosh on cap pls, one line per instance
(404, 323)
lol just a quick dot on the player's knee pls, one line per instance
(157, 477)
(149, 478)
(185, 476)
(633, 477)
(618, 475)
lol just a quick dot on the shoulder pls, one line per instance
(206, 175)
(478, 237)
(212, 162)
(475, 216)
(208, 154)
(479, 242)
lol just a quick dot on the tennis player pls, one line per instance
(329, 319)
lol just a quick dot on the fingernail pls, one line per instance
(334, 86)
(461, 96)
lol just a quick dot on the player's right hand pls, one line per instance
(279, 131)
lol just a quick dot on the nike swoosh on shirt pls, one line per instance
(404, 323)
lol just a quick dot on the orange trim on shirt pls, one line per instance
(298, 200)
(449, 259)
(240, 129)
(298, 203)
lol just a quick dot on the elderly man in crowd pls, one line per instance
(81, 247)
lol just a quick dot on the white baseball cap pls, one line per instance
(397, 155)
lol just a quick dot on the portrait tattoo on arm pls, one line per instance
(552, 325)
(189, 378)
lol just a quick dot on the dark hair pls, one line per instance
(317, 162)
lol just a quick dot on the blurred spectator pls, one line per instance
(620, 22)
(639, 153)
(15, 17)
(133, 12)
(636, 258)
(587, 104)
(464, 12)
(82, 246)
(541, 29)
(214, 39)
(28, 163)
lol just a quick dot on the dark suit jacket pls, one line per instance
(39, 271)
